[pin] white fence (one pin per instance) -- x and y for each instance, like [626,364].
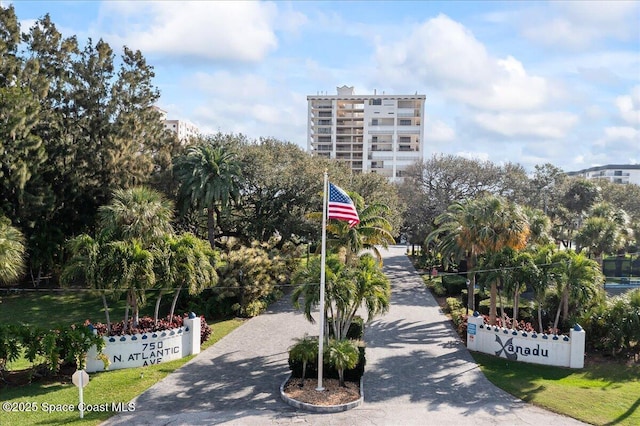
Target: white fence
[140,350]
[561,351]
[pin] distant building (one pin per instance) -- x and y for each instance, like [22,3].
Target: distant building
[616,173]
[184,129]
[381,134]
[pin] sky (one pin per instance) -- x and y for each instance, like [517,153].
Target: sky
[523,82]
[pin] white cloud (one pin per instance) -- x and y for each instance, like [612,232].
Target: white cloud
[439,50]
[617,135]
[212,30]
[554,125]
[444,54]
[251,105]
[629,106]
[579,24]
[438,131]
[479,156]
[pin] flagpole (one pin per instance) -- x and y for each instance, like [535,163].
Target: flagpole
[323,257]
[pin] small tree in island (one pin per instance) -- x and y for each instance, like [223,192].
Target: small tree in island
[352,280]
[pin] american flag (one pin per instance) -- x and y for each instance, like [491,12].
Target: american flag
[341,207]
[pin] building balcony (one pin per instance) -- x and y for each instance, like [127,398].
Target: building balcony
[378,131]
[409,130]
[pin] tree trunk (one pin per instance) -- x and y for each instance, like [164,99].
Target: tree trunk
[557,320]
[492,304]
[173,303]
[134,307]
[516,305]
[540,317]
[211,227]
[155,314]
[106,313]
[565,303]
[502,314]
[126,316]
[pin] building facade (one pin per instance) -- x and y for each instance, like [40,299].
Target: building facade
[616,173]
[184,129]
[381,134]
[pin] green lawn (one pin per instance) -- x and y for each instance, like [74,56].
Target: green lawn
[49,309]
[104,389]
[603,394]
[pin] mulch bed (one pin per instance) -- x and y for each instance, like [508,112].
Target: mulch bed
[334,394]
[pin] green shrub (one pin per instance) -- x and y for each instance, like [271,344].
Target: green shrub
[350,374]
[68,344]
[435,285]
[249,278]
[614,327]
[10,339]
[454,284]
[304,351]
[453,304]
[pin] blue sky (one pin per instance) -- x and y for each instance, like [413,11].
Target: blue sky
[525,82]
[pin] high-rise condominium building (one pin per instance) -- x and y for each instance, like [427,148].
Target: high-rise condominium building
[371,133]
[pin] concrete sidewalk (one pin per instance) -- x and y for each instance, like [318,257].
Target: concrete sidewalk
[418,373]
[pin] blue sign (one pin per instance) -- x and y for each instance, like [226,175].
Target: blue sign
[471,328]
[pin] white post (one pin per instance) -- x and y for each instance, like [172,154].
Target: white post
[193,322]
[80,387]
[473,328]
[322,278]
[578,338]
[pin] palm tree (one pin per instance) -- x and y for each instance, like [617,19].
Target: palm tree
[304,350]
[191,264]
[524,272]
[605,230]
[485,225]
[136,213]
[577,279]
[539,227]
[130,267]
[209,180]
[307,285]
[372,231]
[12,251]
[541,280]
[347,288]
[343,354]
[499,266]
[86,263]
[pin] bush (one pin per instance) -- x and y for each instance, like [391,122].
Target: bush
[453,304]
[352,375]
[435,285]
[148,325]
[454,284]
[249,280]
[54,347]
[615,326]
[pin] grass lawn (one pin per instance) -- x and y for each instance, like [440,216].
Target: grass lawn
[106,388]
[50,309]
[606,393]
